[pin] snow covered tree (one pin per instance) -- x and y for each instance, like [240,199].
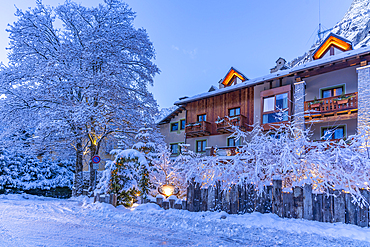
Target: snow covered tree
[123,176]
[80,84]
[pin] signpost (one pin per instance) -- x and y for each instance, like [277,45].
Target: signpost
[95,160]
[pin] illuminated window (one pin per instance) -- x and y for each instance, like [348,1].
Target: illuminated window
[202,117]
[234,112]
[174,126]
[201,146]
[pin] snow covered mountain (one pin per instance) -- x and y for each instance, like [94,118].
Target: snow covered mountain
[164,112]
[354,26]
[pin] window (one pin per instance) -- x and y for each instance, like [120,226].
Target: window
[275,108]
[329,133]
[174,148]
[331,92]
[232,142]
[201,146]
[202,117]
[174,126]
[234,112]
[182,124]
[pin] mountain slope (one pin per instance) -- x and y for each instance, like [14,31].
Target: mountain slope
[354,26]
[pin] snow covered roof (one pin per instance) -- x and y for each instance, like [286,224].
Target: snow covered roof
[279,74]
[174,113]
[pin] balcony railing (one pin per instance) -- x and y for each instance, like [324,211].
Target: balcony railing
[334,104]
[224,125]
[198,129]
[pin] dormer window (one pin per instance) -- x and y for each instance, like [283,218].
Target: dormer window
[332,45]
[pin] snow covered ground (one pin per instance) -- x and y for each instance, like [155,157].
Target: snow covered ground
[38,221]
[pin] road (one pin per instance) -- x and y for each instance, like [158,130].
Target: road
[39,221]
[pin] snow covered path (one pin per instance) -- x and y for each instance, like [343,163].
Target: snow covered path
[39,221]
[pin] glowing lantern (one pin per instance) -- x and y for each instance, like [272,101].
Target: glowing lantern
[168,190]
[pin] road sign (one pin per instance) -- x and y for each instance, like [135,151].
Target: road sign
[96,159]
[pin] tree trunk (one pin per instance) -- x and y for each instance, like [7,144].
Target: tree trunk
[78,180]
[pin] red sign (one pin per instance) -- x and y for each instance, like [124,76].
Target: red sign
[96,159]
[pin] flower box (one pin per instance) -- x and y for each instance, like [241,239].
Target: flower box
[315,105]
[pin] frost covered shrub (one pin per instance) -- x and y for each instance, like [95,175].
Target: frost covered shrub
[19,172]
[287,153]
[123,176]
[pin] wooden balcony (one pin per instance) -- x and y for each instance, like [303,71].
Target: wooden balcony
[332,106]
[224,125]
[198,129]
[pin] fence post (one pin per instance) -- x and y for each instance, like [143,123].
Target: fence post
[218,195]
[203,201]
[298,202]
[328,207]
[211,200]
[363,219]
[277,202]
[226,200]
[307,202]
[241,194]
[159,200]
[197,197]
[172,202]
[250,198]
[190,197]
[317,207]
[234,200]
[339,207]
[351,214]
[288,205]
[114,201]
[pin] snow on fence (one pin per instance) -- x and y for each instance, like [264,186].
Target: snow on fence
[301,203]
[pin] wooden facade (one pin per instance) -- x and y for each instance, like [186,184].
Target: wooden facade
[218,107]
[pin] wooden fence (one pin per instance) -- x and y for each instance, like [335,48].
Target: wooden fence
[301,203]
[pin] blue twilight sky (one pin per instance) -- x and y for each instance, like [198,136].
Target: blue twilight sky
[197,42]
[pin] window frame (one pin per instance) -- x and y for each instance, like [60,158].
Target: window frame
[237,143]
[204,115]
[180,126]
[235,115]
[173,123]
[343,86]
[272,93]
[196,145]
[178,148]
[322,129]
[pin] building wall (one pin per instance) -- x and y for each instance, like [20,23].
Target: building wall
[347,76]
[173,136]
[218,106]
[351,126]
[266,86]
[212,141]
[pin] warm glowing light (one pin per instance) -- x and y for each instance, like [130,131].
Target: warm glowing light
[329,42]
[230,76]
[168,190]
